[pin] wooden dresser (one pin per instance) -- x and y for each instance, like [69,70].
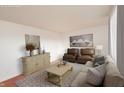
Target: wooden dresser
[34,63]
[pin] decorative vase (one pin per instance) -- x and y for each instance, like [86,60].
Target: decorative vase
[31,53]
[43,51]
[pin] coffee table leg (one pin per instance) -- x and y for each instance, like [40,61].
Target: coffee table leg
[60,78]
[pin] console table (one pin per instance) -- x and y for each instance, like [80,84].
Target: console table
[34,63]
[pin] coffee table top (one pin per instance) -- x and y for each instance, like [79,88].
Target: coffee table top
[59,71]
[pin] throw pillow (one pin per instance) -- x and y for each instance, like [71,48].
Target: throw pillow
[95,76]
[99,61]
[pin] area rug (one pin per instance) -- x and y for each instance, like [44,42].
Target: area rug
[38,79]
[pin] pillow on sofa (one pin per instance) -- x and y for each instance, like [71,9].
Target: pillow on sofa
[99,61]
[95,76]
[80,78]
[113,78]
[108,59]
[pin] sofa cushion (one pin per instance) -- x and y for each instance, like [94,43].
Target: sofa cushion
[72,51]
[80,80]
[69,56]
[83,59]
[86,57]
[113,78]
[87,51]
[95,76]
[89,64]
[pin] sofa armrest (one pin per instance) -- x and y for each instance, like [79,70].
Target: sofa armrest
[114,81]
[89,64]
[113,77]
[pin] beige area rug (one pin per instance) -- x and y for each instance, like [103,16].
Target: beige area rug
[38,79]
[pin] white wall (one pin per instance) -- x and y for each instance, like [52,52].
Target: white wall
[100,36]
[12,39]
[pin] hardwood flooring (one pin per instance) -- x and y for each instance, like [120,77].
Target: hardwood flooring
[11,82]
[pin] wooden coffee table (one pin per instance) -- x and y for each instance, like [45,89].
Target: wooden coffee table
[56,73]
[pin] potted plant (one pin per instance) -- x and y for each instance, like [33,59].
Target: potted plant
[30,47]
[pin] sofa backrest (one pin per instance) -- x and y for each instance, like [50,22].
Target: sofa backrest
[73,51]
[87,51]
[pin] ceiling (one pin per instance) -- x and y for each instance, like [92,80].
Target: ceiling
[57,18]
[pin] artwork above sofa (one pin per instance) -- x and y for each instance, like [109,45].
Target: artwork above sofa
[81,40]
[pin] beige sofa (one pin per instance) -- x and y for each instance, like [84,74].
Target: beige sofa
[112,76]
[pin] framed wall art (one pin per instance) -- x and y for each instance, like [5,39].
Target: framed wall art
[85,40]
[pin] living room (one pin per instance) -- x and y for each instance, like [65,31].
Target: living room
[55,30]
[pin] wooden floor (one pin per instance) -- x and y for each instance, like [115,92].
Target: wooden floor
[11,82]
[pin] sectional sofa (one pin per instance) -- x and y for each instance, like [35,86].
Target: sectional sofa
[106,75]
